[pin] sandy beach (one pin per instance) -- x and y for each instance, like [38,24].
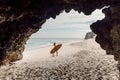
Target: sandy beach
[77,60]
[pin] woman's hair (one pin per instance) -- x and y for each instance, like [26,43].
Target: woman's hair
[54,43]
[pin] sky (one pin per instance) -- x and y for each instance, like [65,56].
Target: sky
[68,25]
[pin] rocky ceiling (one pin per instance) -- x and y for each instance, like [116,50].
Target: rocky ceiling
[19,19]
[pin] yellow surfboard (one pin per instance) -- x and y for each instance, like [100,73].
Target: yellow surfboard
[56,48]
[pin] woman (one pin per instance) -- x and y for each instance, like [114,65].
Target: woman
[56,51]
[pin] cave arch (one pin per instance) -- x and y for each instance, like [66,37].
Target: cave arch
[20,19]
[65,24]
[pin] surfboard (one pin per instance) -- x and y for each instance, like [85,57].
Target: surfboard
[56,48]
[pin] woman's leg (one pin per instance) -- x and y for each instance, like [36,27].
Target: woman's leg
[53,55]
[56,53]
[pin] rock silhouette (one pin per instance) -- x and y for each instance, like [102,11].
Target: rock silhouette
[89,35]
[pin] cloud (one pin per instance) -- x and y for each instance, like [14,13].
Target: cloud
[66,23]
[73,17]
[78,22]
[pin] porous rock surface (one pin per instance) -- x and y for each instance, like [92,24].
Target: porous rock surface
[19,19]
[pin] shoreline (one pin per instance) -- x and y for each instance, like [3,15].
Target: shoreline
[44,52]
[51,44]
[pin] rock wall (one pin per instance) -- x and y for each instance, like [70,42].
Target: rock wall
[108,30]
[21,18]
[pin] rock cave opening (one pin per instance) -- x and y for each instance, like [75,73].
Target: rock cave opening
[20,19]
[56,30]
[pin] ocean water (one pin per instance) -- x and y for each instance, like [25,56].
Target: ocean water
[43,42]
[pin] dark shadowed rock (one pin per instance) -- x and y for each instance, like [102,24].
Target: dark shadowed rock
[89,35]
